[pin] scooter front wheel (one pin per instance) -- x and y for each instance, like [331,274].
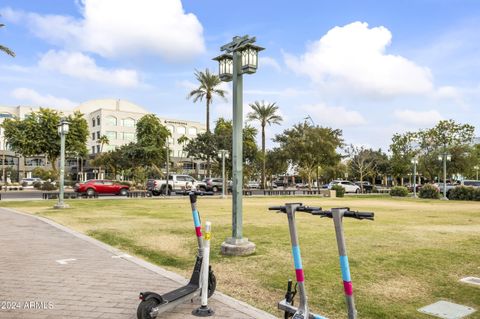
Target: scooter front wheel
[145,307]
[212,283]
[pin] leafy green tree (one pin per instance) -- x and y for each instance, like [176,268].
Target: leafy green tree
[276,163]
[37,135]
[4,48]
[265,114]
[103,140]
[206,145]
[149,150]
[311,146]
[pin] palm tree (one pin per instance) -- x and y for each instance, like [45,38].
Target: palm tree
[103,140]
[208,88]
[265,114]
[5,49]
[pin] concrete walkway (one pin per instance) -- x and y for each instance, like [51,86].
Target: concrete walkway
[50,271]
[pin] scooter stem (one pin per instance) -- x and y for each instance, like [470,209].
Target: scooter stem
[337,215]
[297,259]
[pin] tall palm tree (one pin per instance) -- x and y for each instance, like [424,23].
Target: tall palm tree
[5,49]
[103,140]
[265,114]
[208,88]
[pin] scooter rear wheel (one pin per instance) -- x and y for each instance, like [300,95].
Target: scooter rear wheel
[145,308]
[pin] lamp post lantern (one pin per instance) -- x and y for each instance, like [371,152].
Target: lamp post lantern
[240,57]
[476,168]
[223,154]
[414,161]
[62,131]
[444,157]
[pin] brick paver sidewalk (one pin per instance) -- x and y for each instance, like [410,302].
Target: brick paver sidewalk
[45,265]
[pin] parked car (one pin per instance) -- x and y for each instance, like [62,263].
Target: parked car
[213,184]
[101,186]
[175,183]
[349,186]
[367,186]
[252,184]
[469,182]
[30,181]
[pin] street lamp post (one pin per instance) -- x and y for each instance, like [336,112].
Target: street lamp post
[414,161]
[223,154]
[445,157]
[476,168]
[62,131]
[240,57]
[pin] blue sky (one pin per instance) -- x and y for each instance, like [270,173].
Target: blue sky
[371,68]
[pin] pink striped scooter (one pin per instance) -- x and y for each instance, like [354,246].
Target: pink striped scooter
[302,312]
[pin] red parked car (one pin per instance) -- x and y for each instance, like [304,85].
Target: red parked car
[99,186]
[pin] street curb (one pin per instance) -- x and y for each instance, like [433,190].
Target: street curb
[221,297]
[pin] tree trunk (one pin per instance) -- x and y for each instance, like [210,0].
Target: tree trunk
[208,130]
[264,159]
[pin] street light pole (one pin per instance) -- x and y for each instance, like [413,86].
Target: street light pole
[414,162]
[240,57]
[168,167]
[62,131]
[476,168]
[444,156]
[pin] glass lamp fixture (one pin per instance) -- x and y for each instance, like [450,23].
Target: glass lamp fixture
[225,67]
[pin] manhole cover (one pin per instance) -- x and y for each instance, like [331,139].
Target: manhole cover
[447,310]
[471,280]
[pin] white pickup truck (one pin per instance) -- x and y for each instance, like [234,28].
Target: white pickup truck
[176,183]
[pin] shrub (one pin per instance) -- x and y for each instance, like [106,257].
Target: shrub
[461,193]
[37,185]
[48,186]
[399,191]
[476,194]
[339,189]
[429,191]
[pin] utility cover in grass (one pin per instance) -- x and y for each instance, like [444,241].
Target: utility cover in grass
[471,280]
[447,310]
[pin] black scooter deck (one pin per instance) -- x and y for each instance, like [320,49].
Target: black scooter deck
[179,292]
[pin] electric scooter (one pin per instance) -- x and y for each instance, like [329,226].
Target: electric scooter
[153,304]
[286,305]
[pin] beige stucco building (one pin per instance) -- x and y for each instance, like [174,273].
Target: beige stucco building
[115,119]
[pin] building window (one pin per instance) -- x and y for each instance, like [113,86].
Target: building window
[128,122]
[93,149]
[111,120]
[128,136]
[98,148]
[93,122]
[98,120]
[188,165]
[98,135]
[93,136]
[181,130]
[192,131]
[111,135]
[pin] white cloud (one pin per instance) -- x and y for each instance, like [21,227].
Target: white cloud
[353,58]
[334,115]
[121,28]
[418,117]
[269,61]
[48,100]
[81,66]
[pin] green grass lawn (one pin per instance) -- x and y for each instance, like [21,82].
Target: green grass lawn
[412,255]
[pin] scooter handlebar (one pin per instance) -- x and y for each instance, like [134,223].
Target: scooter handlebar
[300,208]
[348,213]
